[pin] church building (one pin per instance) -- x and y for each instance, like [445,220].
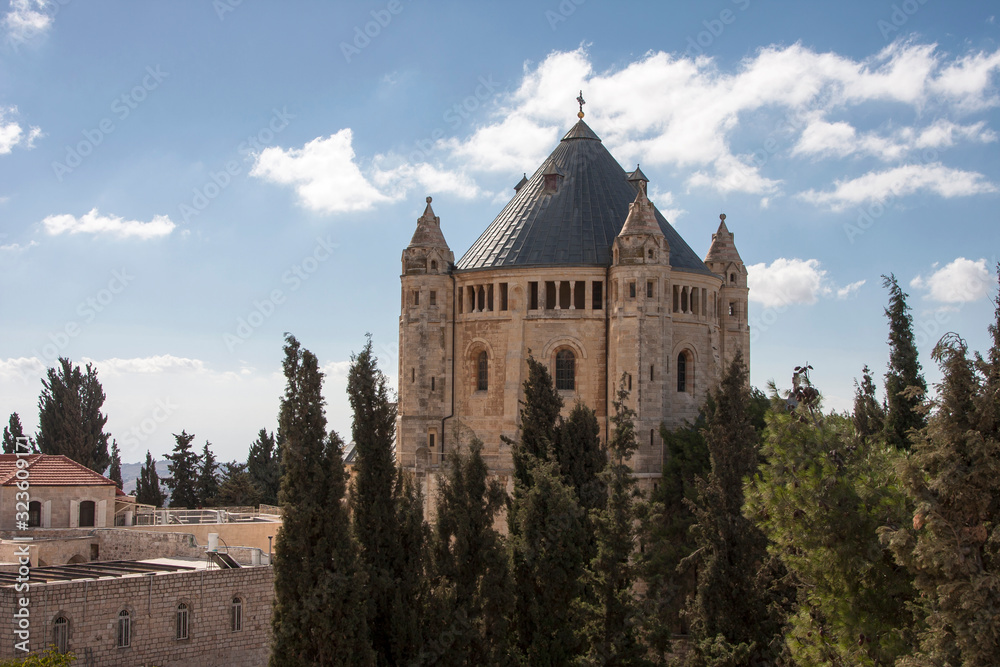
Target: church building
[581,271]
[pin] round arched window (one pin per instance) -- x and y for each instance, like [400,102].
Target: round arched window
[565,370]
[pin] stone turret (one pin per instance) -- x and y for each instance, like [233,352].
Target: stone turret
[725,261]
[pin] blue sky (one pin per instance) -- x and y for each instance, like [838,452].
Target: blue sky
[181,183]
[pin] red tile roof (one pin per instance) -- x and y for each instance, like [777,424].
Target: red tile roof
[50,470]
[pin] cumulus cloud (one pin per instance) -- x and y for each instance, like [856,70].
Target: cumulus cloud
[28,18]
[13,134]
[899,182]
[959,281]
[821,138]
[164,363]
[94,223]
[784,282]
[16,247]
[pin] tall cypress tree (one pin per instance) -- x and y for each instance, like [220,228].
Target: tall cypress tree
[70,421]
[904,381]
[471,574]
[953,549]
[147,487]
[613,622]
[208,477]
[868,415]
[581,457]
[183,468]
[539,415]
[733,616]
[115,470]
[11,433]
[318,614]
[387,518]
[264,466]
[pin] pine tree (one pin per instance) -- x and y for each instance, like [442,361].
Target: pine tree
[613,622]
[318,616]
[953,549]
[869,414]
[237,488]
[183,468]
[820,497]
[70,421]
[539,414]
[471,574]
[733,615]
[388,522]
[547,545]
[115,470]
[11,433]
[581,457]
[264,466]
[208,478]
[147,487]
[904,381]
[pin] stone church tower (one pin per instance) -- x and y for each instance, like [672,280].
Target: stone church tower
[581,271]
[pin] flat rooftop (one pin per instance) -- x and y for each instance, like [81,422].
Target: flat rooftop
[105,569]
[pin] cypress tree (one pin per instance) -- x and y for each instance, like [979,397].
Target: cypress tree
[869,415]
[613,622]
[539,414]
[820,497]
[581,457]
[318,614]
[904,381]
[237,487]
[11,433]
[183,468]
[147,487]
[953,548]
[264,466]
[115,470]
[472,578]
[388,520]
[208,477]
[733,616]
[70,421]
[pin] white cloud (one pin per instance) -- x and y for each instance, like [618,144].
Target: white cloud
[21,367]
[95,223]
[900,182]
[960,281]
[784,282]
[665,204]
[28,18]
[821,138]
[12,134]
[164,363]
[17,247]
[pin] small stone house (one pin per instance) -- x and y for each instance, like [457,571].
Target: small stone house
[60,493]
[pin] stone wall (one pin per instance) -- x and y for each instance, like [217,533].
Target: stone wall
[92,608]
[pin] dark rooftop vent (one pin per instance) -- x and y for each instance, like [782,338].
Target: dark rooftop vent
[521,183]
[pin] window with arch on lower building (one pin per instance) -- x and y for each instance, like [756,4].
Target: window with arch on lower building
[123,634]
[482,371]
[60,634]
[236,615]
[183,617]
[565,370]
[685,371]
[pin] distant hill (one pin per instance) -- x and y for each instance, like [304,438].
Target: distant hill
[130,474]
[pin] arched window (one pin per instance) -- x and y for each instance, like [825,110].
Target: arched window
[732,278]
[182,621]
[236,615]
[434,265]
[565,370]
[60,634]
[87,514]
[482,372]
[685,371]
[34,514]
[684,299]
[123,636]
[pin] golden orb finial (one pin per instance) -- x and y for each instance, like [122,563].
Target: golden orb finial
[581,102]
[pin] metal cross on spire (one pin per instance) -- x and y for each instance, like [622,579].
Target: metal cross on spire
[581,102]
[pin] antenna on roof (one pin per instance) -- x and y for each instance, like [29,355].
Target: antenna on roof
[581,102]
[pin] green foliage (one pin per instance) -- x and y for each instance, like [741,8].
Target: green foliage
[613,617]
[547,552]
[70,421]
[953,547]
[539,413]
[904,381]
[869,415]
[388,519]
[470,575]
[50,657]
[264,466]
[237,487]
[208,477]
[11,432]
[183,468]
[737,608]
[581,457]
[820,497]
[319,614]
[147,487]
[115,469]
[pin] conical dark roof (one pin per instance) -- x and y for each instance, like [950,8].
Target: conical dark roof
[576,225]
